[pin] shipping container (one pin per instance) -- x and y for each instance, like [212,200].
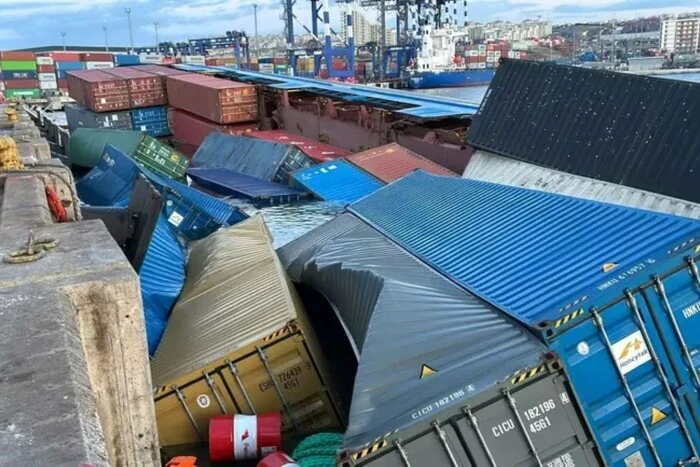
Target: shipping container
[48,85]
[98,90]
[86,145]
[229,183]
[23,93]
[260,159]
[18,56]
[44,61]
[62,56]
[264,355]
[80,117]
[392,161]
[46,69]
[17,65]
[319,152]
[193,59]
[161,159]
[69,66]
[337,181]
[617,299]
[456,380]
[47,77]
[193,130]
[187,149]
[152,120]
[219,100]
[162,71]
[96,57]
[21,84]
[125,60]
[152,59]
[98,65]
[145,89]
[20,75]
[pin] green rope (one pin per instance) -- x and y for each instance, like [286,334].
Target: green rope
[318,450]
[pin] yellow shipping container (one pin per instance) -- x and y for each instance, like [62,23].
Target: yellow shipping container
[239,341]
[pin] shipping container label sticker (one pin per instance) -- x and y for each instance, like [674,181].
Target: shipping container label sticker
[631,352]
[562,461]
[582,348]
[656,416]
[175,219]
[203,401]
[635,460]
[625,444]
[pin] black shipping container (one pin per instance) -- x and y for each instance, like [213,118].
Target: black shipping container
[80,117]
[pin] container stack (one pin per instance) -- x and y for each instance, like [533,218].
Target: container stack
[46,72]
[99,91]
[265,65]
[78,116]
[203,104]
[125,60]
[483,55]
[19,75]
[521,55]
[97,61]
[63,63]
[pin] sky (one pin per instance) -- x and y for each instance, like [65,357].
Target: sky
[31,23]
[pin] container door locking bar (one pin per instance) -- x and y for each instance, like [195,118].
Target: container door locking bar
[626,386]
[181,398]
[445,444]
[638,318]
[237,377]
[283,399]
[514,408]
[402,453]
[475,424]
[212,387]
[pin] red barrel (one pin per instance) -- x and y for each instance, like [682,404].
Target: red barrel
[244,437]
[278,459]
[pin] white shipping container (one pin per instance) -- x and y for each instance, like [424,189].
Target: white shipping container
[44,61]
[482,47]
[98,65]
[2,85]
[482,53]
[473,53]
[194,59]
[47,85]
[267,68]
[47,77]
[148,58]
[482,65]
[497,54]
[473,66]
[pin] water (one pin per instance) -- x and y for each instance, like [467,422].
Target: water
[471,94]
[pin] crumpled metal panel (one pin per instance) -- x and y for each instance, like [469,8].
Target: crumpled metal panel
[403,315]
[530,253]
[498,169]
[639,131]
[236,293]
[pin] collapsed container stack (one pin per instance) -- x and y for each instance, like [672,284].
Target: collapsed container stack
[201,104]
[19,75]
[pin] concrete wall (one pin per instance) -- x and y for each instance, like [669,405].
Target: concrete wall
[74,369]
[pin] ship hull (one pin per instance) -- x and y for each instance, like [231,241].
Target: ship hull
[451,79]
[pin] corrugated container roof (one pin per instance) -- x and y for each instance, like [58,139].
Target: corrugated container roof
[337,181]
[530,253]
[228,182]
[498,169]
[93,76]
[320,152]
[403,315]
[126,72]
[159,70]
[392,161]
[236,293]
[256,158]
[209,81]
[638,131]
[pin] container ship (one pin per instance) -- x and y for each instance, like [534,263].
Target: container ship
[234,349]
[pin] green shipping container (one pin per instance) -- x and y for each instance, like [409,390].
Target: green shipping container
[161,159]
[17,65]
[24,93]
[86,145]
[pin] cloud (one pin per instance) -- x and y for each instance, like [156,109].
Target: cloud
[7,34]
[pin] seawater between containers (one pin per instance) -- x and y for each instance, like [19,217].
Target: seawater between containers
[621,311]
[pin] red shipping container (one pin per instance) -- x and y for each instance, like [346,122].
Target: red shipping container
[62,56]
[145,89]
[63,84]
[46,69]
[219,100]
[96,57]
[392,161]
[187,149]
[19,56]
[98,91]
[215,62]
[193,130]
[21,84]
[319,152]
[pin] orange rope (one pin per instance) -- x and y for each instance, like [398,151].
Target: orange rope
[55,205]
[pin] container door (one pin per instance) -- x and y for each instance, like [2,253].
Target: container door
[622,374]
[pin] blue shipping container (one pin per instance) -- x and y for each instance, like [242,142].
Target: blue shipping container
[9,75]
[162,273]
[614,291]
[152,120]
[230,183]
[337,180]
[274,162]
[126,60]
[70,66]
